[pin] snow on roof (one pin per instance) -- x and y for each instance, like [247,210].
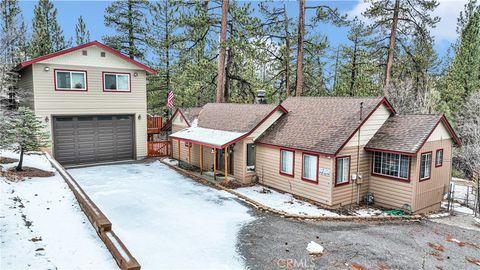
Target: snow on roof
[212,137]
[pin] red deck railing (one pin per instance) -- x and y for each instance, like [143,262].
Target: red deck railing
[154,124]
[159,148]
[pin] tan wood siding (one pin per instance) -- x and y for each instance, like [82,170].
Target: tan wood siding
[347,194]
[267,170]
[391,193]
[49,102]
[429,193]
[371,126]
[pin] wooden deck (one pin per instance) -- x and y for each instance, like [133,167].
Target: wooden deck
[159,148]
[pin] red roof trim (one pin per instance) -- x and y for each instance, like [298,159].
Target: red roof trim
[383,101]
[389,151]
[103,46]
[444,120]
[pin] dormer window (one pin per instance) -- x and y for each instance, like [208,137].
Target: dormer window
[116,82]
[70,80]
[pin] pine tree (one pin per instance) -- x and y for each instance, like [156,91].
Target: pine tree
[27,132]
[127,18]
[82,35]
[395,21]
[47,35]
[462,77]
[221,54]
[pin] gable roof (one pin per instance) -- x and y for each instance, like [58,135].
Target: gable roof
[234,117]
[407,133]
[223,124]
[190,114]
[92,43]
[320,124]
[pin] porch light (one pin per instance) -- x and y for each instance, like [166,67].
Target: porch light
[139,117]
[46,69]
[135,74]
[46,119]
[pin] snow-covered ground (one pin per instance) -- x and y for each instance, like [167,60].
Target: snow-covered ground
[42,226]
[287,203]
[165,219]
[465,194]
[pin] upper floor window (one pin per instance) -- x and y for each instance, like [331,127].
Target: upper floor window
[425,166]
[439,158]
[70,80]
[391,165]
[286,162]
[116,82]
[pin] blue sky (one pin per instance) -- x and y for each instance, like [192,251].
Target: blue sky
[93,11]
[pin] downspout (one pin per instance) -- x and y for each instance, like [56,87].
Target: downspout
[358,156]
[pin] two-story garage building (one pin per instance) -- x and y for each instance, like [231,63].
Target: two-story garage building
[93,100]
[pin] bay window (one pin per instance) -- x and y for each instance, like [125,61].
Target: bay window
[391,165]
[342,171]
[286,162]
[310,167]
[70,80]
[425,166]
[116,82]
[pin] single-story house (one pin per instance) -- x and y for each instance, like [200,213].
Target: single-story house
[93,100]
[331,150]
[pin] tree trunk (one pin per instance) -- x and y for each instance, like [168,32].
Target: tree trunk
[391,48]
[131,43]
[221,55]
[228,68]
[287,52]
[301,24]
[20,162]
[353,75]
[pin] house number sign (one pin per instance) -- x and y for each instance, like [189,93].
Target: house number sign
[324,171]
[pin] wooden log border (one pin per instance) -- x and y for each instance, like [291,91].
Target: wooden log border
[99,221]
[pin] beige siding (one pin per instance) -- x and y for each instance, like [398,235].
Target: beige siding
[267,169]
[429,193]
[49,102]
[266,124]
[347,194]
[440,133]
[371,126]
[25,84]
[92,59]
[391,193]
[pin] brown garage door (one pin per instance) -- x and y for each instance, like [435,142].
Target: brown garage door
[93,139]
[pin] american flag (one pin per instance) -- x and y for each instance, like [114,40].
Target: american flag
[170,99]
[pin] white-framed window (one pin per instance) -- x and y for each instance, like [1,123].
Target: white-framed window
[116,82]
[425,165]
[286,162]
[70,80]
[391,165]
[343,170]
[250,157]
[310,167]
[439,158]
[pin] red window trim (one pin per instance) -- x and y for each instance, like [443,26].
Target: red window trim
[316,175]
[436,153]
[420,166]
[404,180]
[293,163]
[69,90]
[116,91]
[349,168]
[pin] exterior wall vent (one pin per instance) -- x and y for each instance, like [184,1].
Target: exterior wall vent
[84,53]
[102,54]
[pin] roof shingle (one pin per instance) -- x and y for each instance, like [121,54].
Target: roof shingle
[233,117]
[404,133]
[319,124]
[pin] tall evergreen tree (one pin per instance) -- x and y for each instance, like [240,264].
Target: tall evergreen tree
[462,77]
[47,35]
[395,20]
[82,35]
[127,18]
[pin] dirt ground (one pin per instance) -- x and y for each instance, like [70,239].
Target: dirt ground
[272,242]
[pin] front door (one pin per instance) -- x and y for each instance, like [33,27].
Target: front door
[221,162]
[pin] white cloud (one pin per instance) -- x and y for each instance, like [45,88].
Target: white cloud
[447,10]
